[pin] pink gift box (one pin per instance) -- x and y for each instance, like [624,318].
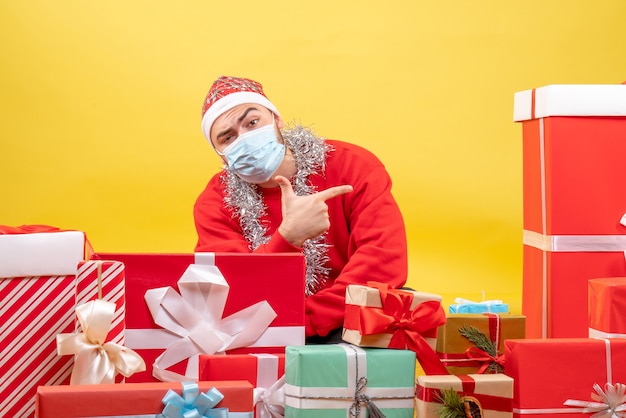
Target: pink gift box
[276,278]
[34,308]
[573,183]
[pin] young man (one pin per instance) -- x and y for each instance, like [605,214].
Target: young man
[287,190]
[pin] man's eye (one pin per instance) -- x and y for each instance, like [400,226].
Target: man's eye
[253,122]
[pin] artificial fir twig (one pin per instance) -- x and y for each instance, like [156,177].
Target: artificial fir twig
[481,341]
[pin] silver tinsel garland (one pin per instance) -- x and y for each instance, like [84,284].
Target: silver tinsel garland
[243,199]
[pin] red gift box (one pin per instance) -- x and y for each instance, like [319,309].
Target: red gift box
[549,371]
[607,307]
[261,370]
[573,200]
[34,308]
[276,278]
[131,399]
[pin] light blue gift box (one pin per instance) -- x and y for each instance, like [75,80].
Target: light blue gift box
[464,306]
[340,380]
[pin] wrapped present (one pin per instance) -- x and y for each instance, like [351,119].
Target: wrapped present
[474,343]
[242,281]
[377,316]
[104,280]
[487,396]
[573,183]
[263,371]
[232,399]
[607,307]
[97,361]
[345,380]
[37,302]
[466,306]
[548,372]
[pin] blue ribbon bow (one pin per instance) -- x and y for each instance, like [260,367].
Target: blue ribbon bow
[193,403]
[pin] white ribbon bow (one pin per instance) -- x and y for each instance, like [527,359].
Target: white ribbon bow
[195,315]
[97,361]
[270,402]
[610,402]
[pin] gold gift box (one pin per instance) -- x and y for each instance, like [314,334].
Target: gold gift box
[452,346]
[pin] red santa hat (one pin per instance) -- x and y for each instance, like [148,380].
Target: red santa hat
[228,92]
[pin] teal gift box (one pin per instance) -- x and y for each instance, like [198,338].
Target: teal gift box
[343,380]
[464,306]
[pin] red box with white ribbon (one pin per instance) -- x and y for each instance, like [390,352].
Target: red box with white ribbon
[263,371]
[37,302]
[574,177]
[550,371]
[221,300]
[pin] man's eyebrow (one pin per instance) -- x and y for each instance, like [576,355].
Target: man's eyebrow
[248,110]
[239,119]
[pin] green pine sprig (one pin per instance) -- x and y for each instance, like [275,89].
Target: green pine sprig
[480,340]
[452,404]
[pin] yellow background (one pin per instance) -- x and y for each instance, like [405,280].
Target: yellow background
[100,111]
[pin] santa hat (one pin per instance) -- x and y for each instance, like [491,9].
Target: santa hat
[228,92]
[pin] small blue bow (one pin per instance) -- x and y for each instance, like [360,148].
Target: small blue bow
[193,403]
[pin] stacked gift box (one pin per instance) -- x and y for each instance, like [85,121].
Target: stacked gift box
[116,334]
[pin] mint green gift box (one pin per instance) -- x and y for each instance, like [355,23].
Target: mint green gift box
[341,380]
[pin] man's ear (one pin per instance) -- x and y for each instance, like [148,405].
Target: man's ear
[279,121]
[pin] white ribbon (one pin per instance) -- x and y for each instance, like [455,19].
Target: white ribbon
[269,394]
[609,403]
[270,402]
[195,317]
[97,361]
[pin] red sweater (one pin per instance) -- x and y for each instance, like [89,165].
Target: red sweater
[367,237]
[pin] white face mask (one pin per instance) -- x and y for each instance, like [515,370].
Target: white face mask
[254,156]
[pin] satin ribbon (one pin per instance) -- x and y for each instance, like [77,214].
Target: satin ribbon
[193,403]
[405,324]
[269,393]
[609,403]
[270,402]
[97,361]
[195,317]
[483,357]
[468,387]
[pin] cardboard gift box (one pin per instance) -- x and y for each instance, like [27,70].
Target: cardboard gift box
[573,200]
[491,394]
[607,307]
[549,372]
[37,301]
[134,399]
[461,356]
[263,371]
[273,279]
[340,379]
[377,316]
